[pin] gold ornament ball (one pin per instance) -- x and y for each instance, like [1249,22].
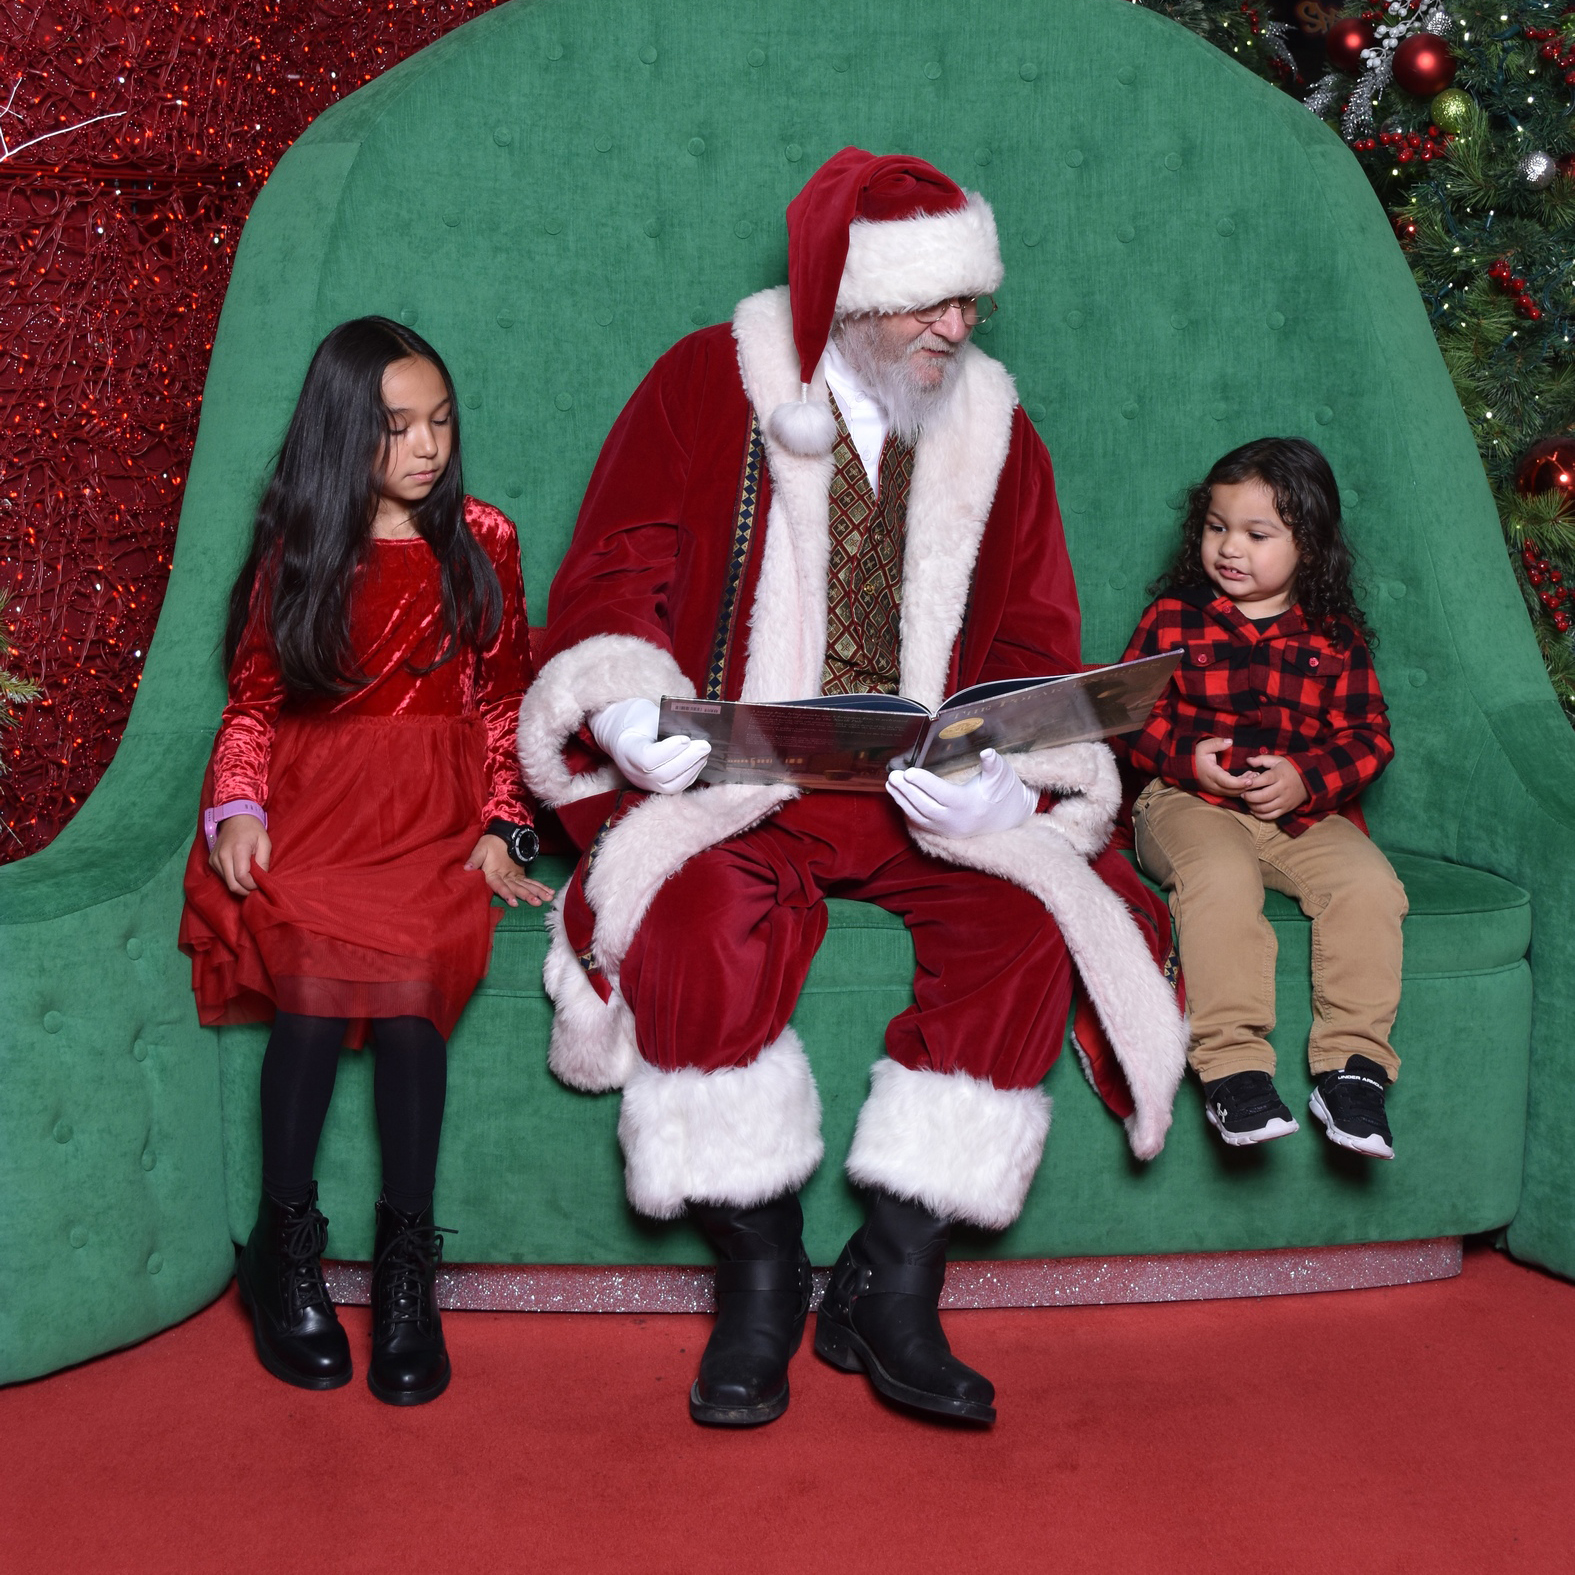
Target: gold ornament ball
[1451,111]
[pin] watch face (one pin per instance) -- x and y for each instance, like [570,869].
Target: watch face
[523,844]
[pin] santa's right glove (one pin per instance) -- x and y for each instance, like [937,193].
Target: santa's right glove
[627,731]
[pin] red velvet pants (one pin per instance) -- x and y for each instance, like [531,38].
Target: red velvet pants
[715,970]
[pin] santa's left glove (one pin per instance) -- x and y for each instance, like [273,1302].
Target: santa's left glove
[627,731]
[995,800]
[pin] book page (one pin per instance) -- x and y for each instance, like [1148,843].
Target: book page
[1022,714]
[814,744]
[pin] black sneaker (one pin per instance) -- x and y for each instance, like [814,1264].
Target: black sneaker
[1350,1103]
[1246,1108]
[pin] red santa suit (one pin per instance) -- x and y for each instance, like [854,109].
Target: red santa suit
[699,567]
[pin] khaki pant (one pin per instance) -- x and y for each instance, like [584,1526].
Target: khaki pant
[1215,863]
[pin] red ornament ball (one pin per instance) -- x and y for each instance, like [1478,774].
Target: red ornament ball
[1344,42]
[1423,65]
[1548,466]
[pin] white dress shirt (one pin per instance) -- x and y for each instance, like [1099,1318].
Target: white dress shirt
[865,415]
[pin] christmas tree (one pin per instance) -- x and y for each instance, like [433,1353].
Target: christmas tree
[1461,117]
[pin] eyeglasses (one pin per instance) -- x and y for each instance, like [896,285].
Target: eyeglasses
[975,309]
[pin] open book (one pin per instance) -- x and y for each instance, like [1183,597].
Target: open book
[850,742]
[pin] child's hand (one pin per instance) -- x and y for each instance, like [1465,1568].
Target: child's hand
[1277,787]
[242,842]
[1212,777]
[503,875]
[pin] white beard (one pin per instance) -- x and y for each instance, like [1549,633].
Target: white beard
[886,371]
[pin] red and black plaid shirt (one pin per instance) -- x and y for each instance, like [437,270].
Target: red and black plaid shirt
[1282,689]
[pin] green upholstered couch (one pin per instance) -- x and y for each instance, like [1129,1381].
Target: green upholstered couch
[553,194]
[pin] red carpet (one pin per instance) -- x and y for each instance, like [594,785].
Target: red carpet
[1424,1429]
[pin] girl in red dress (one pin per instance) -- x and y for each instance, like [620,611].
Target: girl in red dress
[362,806]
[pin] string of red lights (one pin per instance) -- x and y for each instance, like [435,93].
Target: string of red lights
[140,136]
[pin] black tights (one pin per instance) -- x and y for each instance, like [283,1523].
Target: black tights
[409,1081]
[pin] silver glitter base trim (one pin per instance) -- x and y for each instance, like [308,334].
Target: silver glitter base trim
[1023,1282]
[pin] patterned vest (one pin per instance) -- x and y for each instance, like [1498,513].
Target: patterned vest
[864,574]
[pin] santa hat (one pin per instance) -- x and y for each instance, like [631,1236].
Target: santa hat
[874,234]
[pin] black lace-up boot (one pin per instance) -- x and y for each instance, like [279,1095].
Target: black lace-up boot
[762,1300]
[280,1276]
[881,1314]
[409,1359]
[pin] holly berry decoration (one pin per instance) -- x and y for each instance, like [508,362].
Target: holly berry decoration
[1344,42]
[1548,582]
[1408,147]
[1548,466]
[1423,65]
[1556,50]
[1451,110]
[1508,282]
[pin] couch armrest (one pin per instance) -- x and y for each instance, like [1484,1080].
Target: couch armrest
[1520,823]
[111,1159]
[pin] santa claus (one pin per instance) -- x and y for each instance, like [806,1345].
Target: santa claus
[838,492]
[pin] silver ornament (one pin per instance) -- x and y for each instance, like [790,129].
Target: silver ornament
[1537,170]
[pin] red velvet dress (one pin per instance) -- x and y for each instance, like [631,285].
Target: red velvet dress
[375,800]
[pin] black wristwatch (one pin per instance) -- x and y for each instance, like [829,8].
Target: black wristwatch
[521,841]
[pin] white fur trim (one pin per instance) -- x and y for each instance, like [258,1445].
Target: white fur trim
[741,1136]
[805,427]
[1086,776]
[577,682]
[1147,1031]
[592,1046]
[897,265]
[787,626]
[956,468]
[960,1146]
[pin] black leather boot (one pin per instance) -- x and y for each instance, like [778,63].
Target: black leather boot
[881,1314]
[409,1360]
[280,1277]
[762,1300]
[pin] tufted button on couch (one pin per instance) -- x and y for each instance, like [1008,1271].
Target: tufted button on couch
[553,194]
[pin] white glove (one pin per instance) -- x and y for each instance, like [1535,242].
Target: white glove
[995,800]
[627,731]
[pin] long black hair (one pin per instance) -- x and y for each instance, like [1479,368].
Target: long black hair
[314,522]
[1307,498]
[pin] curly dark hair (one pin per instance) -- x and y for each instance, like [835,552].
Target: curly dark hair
[1308,500]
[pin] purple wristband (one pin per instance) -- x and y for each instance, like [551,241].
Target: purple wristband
[236,806]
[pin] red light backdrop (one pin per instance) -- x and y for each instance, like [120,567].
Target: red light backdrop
[135,138]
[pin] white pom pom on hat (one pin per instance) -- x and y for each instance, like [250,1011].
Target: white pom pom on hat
[804,426]
[870,233]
